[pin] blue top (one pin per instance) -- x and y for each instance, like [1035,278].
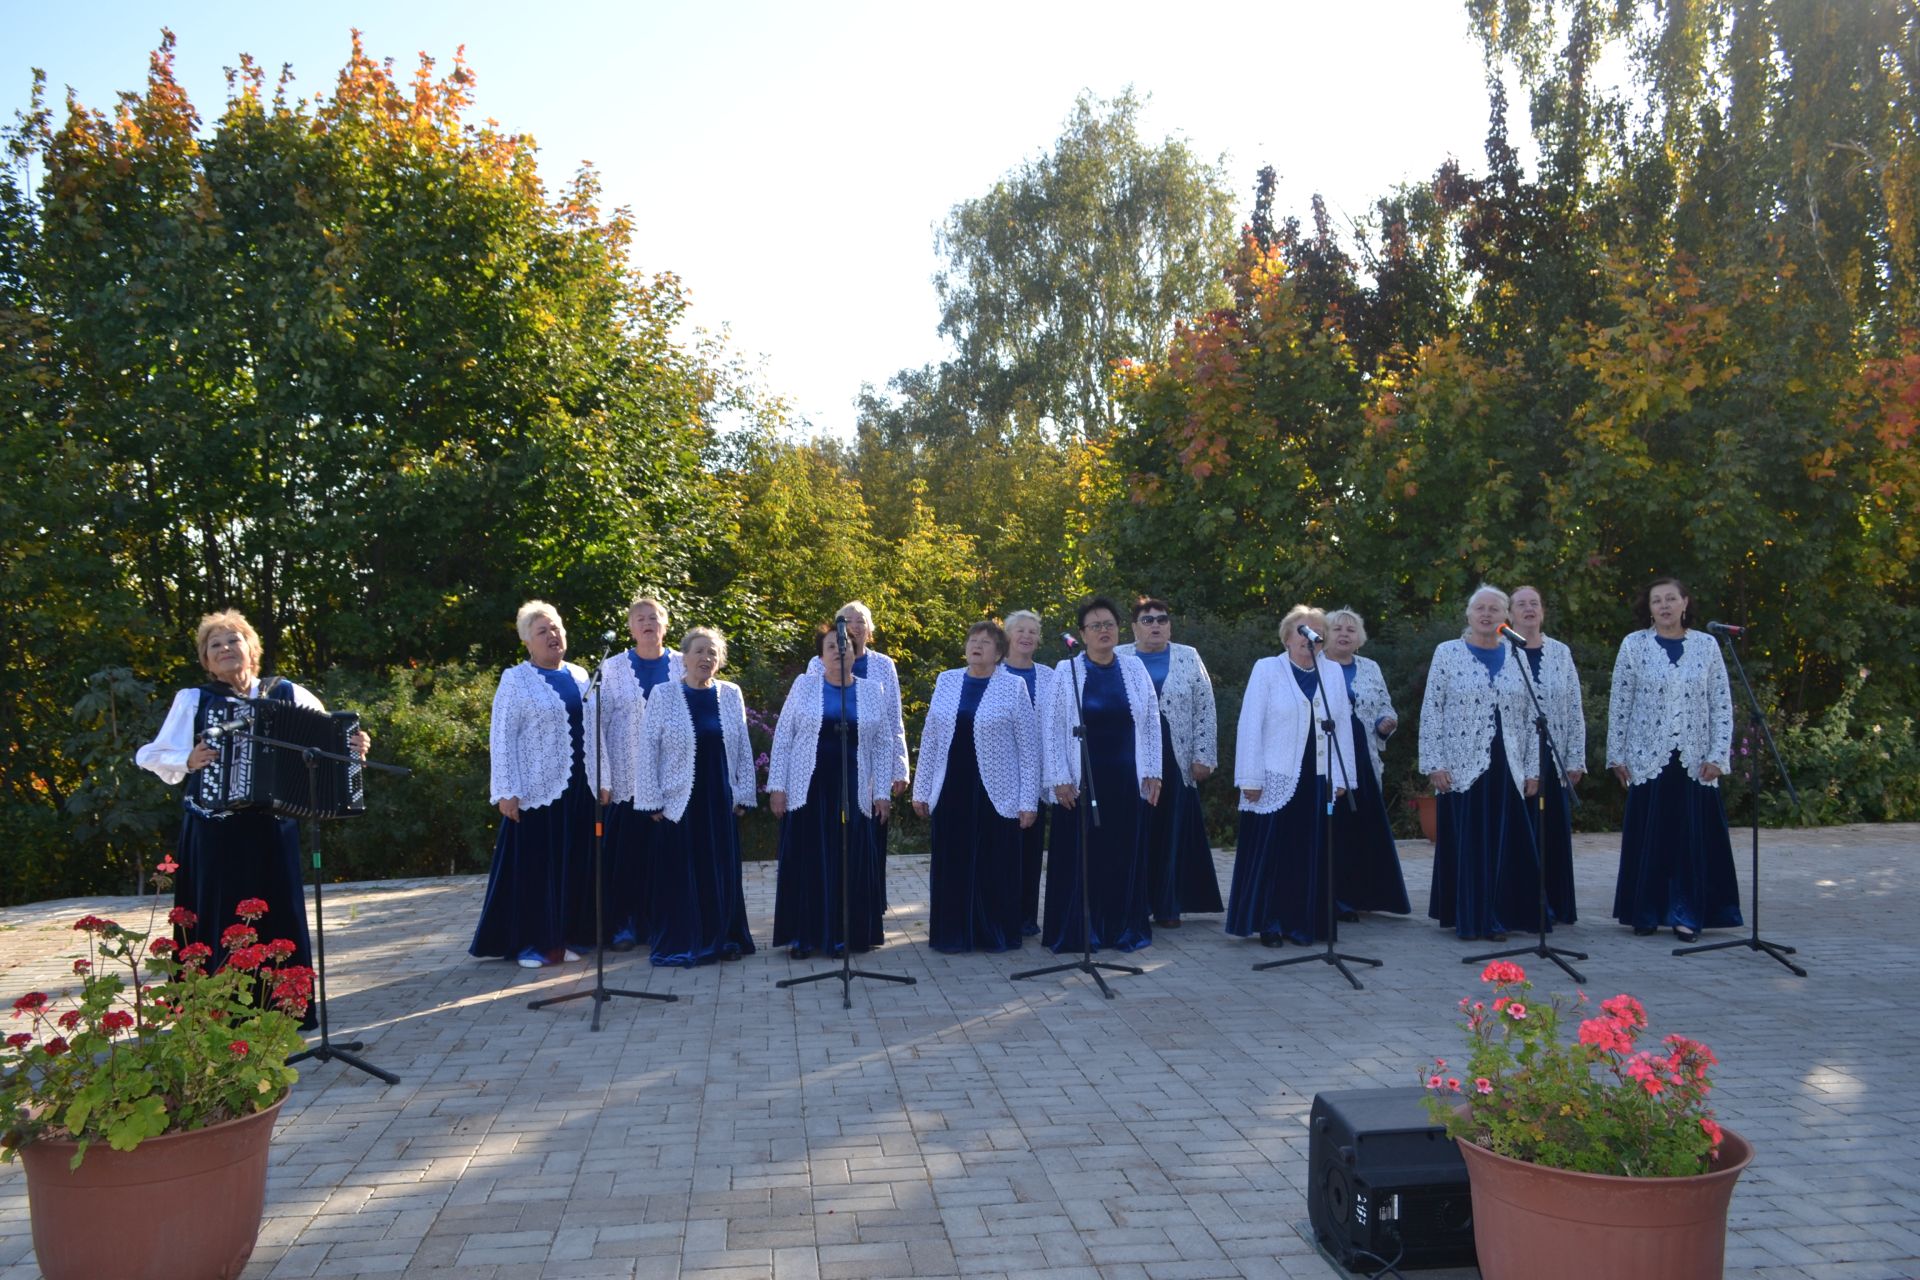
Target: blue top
[704,704]
[860,667]
[839,702]
[1309,681]
[971,689]
[1031,674]
[1674,648]
[1156,664]
[1107,714]
[1347,670]
[649,671]
[1533,660]
[561,681]
[1492,659]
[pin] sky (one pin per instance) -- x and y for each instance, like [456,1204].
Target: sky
[791,160]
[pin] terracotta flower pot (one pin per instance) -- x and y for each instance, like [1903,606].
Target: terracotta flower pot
[1531,1221]
[197,1197]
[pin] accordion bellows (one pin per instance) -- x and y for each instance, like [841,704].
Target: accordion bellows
[263,744]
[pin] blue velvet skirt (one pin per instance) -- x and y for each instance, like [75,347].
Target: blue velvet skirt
[1279,870]
[1676,859]
[1559,860]
[1485,879]
[1033,857]
[1366,872]
[540,891]
[806,910]
[1179,859]
[1116,863]
[975,878]
[698,910]
[249,854]
[628,872]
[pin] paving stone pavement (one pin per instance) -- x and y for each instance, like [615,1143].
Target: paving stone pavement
[973,1126]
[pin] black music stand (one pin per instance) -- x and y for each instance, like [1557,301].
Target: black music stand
[1089,813]
[1330,954]
[846,973]
[325,1050]
[1549,754]
[600,993]
[1757,725]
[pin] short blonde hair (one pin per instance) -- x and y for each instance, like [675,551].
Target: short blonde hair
[227,620]
[711,633]
[1344,614]
[1023,615]
[1488,589]
[1302,613]
[855,606]
[523,620]
[658,608]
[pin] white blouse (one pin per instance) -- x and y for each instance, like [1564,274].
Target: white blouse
[623,708]
[1006,742]
[1276,720]
[1658,707]
[532,739]
[1186,700]
[1061,758]
[664,749]
[796,742]
[166,756]
[1458,715]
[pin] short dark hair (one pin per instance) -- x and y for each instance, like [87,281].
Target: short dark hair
[1146,603]
[992,629]
[1643,607]
[821,635]
[1091,603]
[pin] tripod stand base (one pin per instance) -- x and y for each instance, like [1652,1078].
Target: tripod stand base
[1777,950]
[845,978]
[1091,968]
[326,1051]
[600,996]
[1540,949]
[1337,959]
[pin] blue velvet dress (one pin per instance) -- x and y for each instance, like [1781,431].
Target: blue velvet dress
[1033,841]
[976,852]
[1559,826]
[699,908]
[540,892]
[1117,851]
[1366,871]
[1279,868]
[249,853]
[629,840]
[1180,874]
[1676,858]
[806,908]
[1485,878]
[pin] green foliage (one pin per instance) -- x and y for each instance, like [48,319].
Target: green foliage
[1850,763]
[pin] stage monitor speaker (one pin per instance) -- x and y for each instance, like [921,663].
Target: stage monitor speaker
[1386,1183]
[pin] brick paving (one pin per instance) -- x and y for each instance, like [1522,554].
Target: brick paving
[972,1126]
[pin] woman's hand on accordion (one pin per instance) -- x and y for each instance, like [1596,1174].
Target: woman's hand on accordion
[202,755]
[510,808]
[360,743]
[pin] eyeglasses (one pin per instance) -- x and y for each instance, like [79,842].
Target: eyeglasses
[1153,619]
[1108,625]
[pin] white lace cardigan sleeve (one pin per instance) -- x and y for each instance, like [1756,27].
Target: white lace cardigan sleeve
[1006,742]
[795,738]
[1276,720]
[1373,704]
[1186,700]
[883,676]
[1062,752]
[166,756]
[1658,706]
[666,750]
[623,708]
[1458,715]
[531,742]
[1566,714]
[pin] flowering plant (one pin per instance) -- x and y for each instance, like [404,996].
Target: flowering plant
[1598,1105]
[154,1041]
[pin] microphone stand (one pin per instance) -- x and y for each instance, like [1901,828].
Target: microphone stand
[1548,754]
[1089,813]
[1757,723]
[600,993]
[1330,955]
[325,1050]
[847,780]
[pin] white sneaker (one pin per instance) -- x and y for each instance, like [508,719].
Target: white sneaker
[531,962]
[570,956]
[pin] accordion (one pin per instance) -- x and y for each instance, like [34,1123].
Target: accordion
[253,774]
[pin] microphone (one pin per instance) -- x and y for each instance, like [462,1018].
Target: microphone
[609,637]
[1313,637]
[1067,638]
[220,729]
[1726,629]
[1513,635]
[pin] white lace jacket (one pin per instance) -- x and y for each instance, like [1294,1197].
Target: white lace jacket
[884,676]
[796,739]
[1560,694]
[1658,707]
[532,743]
[1061,756]
[1043,678]
[166,756]
[1457,717]
[663,750]
[1006,742]
[1186,700]
[623,710]
[1372,703]
[1276,719]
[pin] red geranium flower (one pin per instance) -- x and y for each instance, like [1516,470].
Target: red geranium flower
[195,953]
[248,958]
[19,1040]
[83,967]
[163,946]
[57,1046]
[69,1020]
[280,949]
[167,865]
[237,935]
[94,924]
[182,918]
[29,1003]
[251,908]
[238,1048]
[116,1020]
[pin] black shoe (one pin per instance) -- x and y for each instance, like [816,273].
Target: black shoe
[1644,932]
[1030,929]
[1685,934]
[1171,922]
[799,953]
[731,956]
[621,946]
[1348,917]
[1496,937]
[1271,939]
